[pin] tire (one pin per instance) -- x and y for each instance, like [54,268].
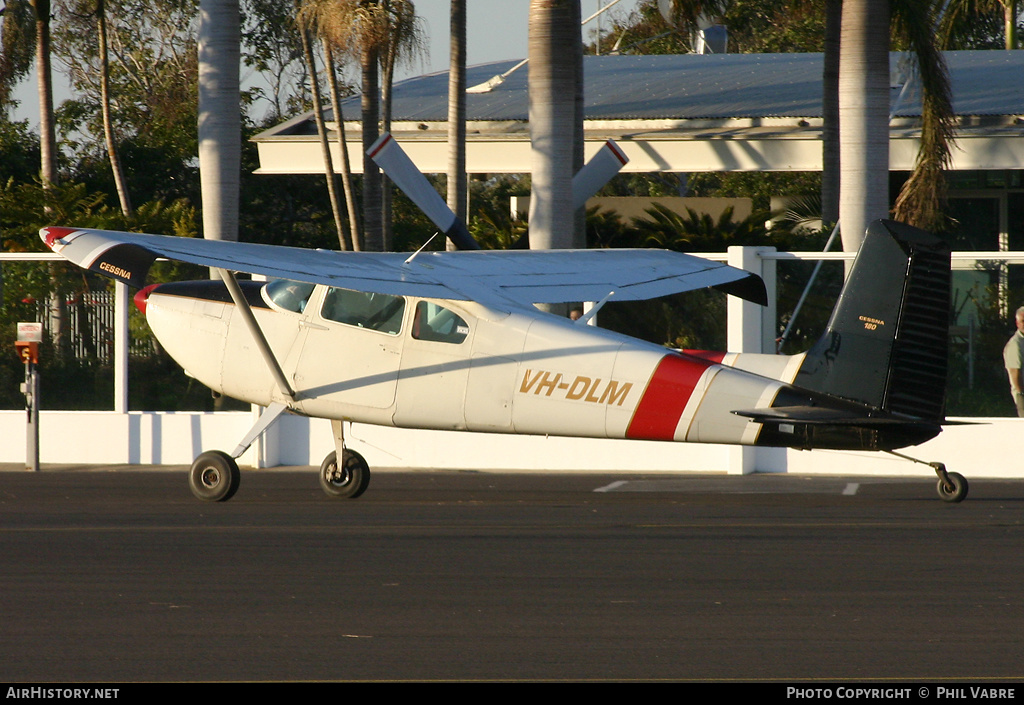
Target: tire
[352,479]
[214,477]
[957,489]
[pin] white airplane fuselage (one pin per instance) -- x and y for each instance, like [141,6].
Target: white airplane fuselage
[519,372]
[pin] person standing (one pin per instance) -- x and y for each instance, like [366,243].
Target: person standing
[1013,360]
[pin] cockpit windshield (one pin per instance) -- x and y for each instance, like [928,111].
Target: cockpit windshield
[288,294]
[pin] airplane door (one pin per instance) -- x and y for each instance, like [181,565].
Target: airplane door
[350,354]
[435,368]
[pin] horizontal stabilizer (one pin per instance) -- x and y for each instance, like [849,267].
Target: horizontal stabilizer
[824,416]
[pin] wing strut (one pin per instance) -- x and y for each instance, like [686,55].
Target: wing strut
[257,333]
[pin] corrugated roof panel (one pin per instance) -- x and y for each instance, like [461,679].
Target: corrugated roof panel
[693,86]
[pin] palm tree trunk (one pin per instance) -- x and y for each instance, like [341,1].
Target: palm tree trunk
[219,124]
[108,127]
[555,52]
[48,164]
[47,129]
[346,166]
[1010,9]
[373,236]
[830,115]
[386,192]
[321,131]
[864,116]
[456,182]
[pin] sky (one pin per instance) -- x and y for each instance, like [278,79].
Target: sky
[496,30]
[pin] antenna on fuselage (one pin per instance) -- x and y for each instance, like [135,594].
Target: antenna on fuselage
[423,247]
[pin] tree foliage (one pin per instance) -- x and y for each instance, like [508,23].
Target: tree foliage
[17,47]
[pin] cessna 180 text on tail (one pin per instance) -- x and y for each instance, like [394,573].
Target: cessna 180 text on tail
[453,340]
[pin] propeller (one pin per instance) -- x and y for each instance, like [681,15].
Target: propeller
[394,162]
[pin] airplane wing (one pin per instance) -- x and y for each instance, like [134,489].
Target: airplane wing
[493,278]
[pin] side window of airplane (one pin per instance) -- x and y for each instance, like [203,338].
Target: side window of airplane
[435,322]
[381,312]
[289,295]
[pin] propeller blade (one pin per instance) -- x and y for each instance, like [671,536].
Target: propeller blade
[608,161]
[394,162]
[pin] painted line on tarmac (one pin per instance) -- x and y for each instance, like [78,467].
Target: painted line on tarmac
[612,487]
[730,486]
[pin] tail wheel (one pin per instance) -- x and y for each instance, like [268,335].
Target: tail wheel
[953,491]
[214,476]
[349,480]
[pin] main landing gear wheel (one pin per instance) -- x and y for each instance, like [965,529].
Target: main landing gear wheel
[214,476]
[347,481]
[953,491]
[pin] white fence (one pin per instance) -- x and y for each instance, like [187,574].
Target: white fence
[986,448]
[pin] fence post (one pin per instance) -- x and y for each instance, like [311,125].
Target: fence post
[121,348]
[751,329]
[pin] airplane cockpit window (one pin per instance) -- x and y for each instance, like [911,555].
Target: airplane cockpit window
[381,312]
[435,322]
[289,295]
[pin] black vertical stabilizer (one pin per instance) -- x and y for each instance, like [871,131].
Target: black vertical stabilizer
[886,343]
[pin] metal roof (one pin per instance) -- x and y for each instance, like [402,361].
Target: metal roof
[695,86]
[691,112]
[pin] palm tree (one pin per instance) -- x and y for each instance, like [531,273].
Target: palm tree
[321,130]
[48,158]
[369,31]
[219,123]
[346,167]
[309,17]
[830,114]
[457,112]
[922,199]
[47,129]
[864,115]
[403,41]
[556,107]
[961,15]
[108,127]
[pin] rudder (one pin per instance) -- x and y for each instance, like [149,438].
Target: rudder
[886,344]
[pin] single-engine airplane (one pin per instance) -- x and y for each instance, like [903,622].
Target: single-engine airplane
[453,340]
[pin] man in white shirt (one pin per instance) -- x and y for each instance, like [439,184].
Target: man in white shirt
[1013,360]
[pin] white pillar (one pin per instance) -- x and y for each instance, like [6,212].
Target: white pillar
[751,329]
[121,348]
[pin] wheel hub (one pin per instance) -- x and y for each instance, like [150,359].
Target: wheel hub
[338,476]
[210,477]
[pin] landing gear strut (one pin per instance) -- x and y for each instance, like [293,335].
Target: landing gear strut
[952,486]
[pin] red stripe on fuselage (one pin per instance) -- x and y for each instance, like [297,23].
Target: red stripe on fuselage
[665,397]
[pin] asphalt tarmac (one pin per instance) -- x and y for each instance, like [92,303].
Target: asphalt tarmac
[121,576]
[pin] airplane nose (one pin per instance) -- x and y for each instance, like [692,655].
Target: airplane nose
[142,297]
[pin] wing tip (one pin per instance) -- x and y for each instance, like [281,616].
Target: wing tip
[51,235]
